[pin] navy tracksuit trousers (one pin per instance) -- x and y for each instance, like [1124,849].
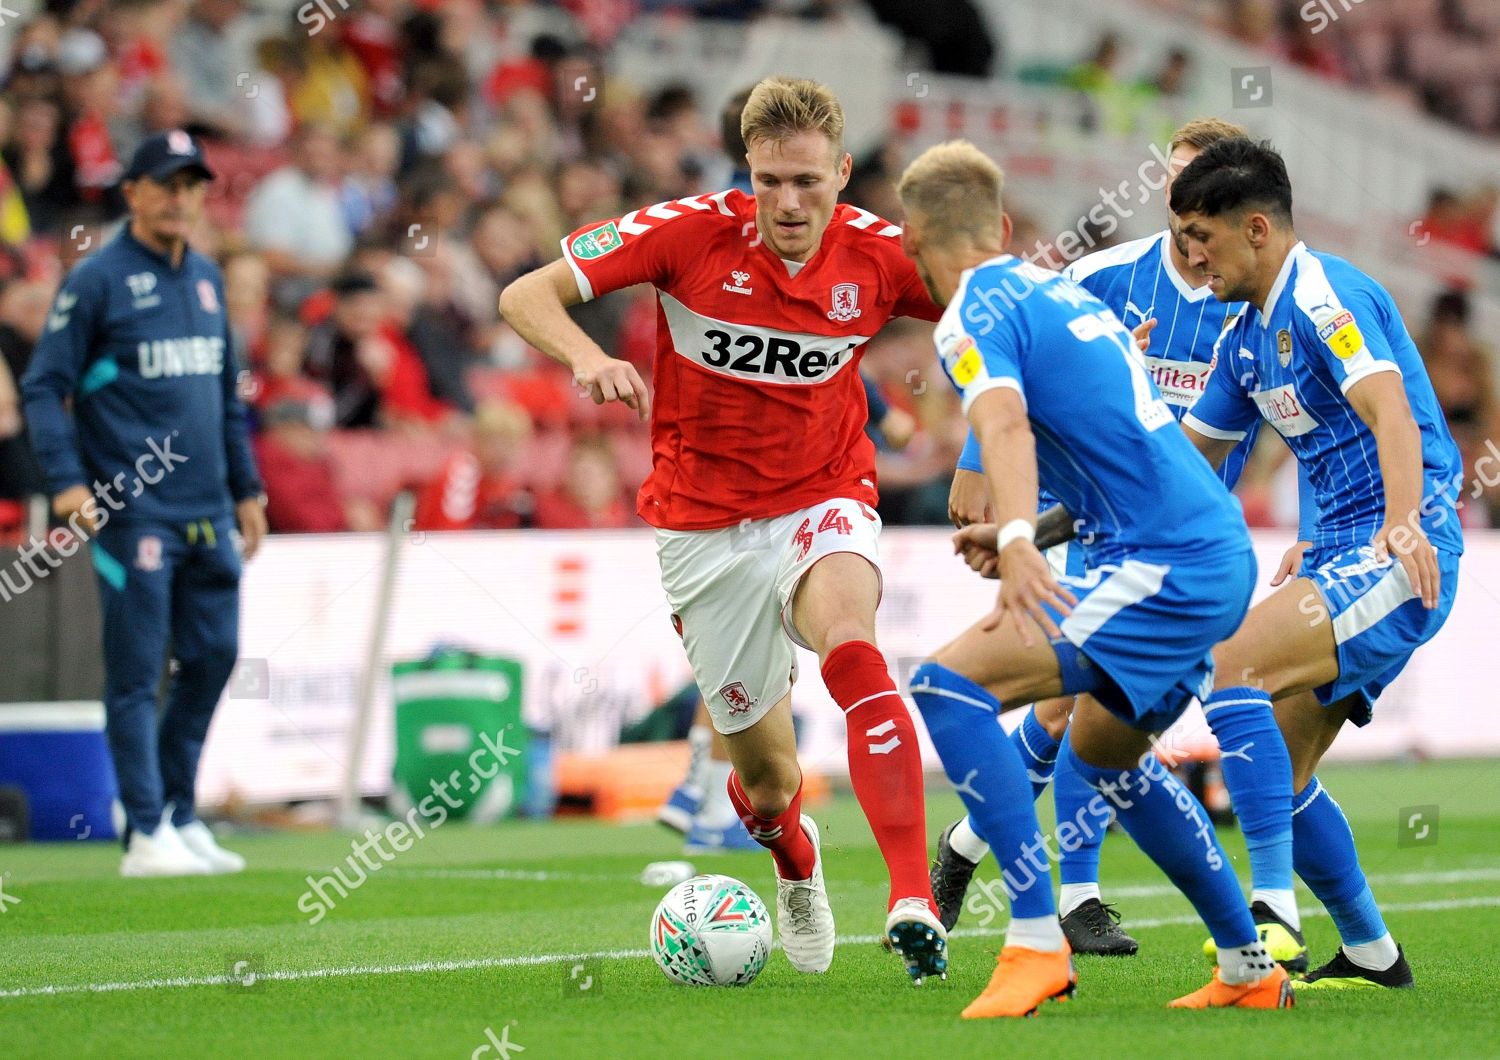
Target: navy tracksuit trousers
[165,585]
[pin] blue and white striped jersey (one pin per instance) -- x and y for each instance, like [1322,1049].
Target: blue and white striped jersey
[1326,326]
[1108,448]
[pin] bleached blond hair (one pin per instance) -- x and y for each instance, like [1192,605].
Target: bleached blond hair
[781,107]
[957,190]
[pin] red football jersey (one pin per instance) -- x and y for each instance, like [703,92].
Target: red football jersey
[758,408]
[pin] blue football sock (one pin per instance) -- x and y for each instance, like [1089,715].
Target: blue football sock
[983,765]
[1083,815]
[1258,773]
[1326,860]
[1170,826]
[1038,752]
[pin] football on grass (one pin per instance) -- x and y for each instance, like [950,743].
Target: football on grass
[711,931]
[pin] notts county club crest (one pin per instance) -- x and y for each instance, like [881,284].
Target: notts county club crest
[1284,346]
[845,302]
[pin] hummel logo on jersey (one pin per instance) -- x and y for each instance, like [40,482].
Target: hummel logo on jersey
[845,302]
[61,310]
[880,730]
[739,283]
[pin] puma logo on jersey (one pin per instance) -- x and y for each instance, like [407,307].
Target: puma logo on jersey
[1143,314]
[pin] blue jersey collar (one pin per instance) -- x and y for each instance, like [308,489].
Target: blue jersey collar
[141,248]
[1281,281]
[1168,266]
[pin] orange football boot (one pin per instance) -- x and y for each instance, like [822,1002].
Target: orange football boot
[1023,979]
[1274,991]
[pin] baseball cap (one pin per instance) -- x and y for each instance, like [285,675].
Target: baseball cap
[166,153]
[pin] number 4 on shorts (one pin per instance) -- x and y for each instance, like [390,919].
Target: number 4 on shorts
[832,520]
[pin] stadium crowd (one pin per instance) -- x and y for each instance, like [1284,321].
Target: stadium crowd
[382,172]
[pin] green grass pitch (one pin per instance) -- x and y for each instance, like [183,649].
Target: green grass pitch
[472,937]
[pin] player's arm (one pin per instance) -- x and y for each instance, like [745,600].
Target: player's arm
[1215,448]
[536,305]
[1307,527]
[1008,451]
[57,365]
[1223,413]
[969,495]
[1380,400]
[1367,373]
[245,485]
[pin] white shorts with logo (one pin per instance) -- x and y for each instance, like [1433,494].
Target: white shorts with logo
[731,594]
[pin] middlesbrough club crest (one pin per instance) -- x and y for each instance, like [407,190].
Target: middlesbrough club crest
[148,554]
[845,302]
[737,699]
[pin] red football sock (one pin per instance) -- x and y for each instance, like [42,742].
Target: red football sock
[782,835]
[885,763]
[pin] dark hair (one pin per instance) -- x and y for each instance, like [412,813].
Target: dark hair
[729,127]
[1233,175]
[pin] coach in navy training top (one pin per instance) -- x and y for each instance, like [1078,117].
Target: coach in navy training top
[154,460]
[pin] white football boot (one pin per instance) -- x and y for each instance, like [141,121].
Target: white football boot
[198,839]
[913,931]
[162,853]
[804,919]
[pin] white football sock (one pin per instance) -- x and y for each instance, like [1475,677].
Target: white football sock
[1073,895]
[1245,964]
[1376,956]
[1042,933]
[966,842]
[716,811]
[1282,903]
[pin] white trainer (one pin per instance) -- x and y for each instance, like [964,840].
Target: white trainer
[162,853]
[804,918]
[197,838]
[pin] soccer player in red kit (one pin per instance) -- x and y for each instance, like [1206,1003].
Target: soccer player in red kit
[762,486]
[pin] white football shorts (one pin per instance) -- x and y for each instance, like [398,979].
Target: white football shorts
[731,593]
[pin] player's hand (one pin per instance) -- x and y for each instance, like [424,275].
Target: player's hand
[1142,334]
[72,501]
[611,379]
[1291,562]
[1409,544]
[968,499]
[976,544]
[1026,582]
[250,513]
[898,428]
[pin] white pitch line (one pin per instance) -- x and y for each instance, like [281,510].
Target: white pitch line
[1151,890]
[478,963]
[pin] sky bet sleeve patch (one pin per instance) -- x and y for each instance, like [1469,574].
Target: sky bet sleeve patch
[1342,335]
